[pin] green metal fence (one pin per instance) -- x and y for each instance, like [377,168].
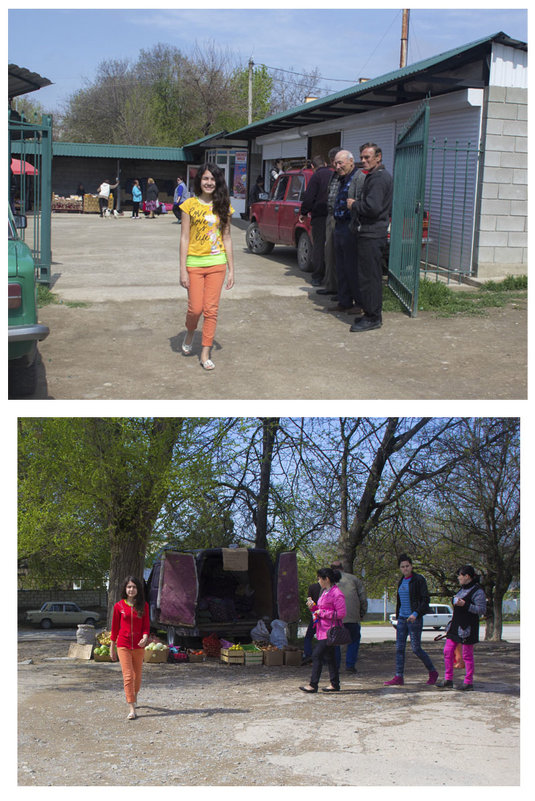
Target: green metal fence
[451,198]
[408,210]
[30,186]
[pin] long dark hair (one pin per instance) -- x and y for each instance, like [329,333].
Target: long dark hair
[334,576]
[221,198]
[139,602]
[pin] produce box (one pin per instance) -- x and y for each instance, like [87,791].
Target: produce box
[196,656]
[293,658]
[155,657]
[101,657]
[273,658]
[77,651]
[232,656]
[255,657]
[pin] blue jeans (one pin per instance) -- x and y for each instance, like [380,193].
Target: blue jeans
[352,651]
[414,629]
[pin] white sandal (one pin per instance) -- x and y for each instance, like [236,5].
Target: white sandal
[208,365]
[186,349]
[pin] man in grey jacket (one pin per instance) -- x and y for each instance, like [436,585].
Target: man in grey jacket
[356,607]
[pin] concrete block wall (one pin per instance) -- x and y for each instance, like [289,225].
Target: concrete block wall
[501,238]
[94,600]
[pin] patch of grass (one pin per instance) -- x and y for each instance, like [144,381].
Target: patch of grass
[446,302]
[45,298]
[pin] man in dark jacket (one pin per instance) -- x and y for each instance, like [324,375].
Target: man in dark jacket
[315,204]
[371,216]
[412,605]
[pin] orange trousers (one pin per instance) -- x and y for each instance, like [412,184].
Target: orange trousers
[132,667]
[205,285]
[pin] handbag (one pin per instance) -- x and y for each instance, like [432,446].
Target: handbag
[338,634]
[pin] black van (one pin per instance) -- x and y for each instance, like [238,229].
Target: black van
[225,591]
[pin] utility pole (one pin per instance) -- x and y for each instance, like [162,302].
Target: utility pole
[250,109]
[404,37]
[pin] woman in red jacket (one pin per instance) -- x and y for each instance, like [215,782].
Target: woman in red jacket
[130,629]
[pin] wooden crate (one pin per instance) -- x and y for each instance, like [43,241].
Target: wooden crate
[254,657]
[273,658]
[232,656]
[156,657]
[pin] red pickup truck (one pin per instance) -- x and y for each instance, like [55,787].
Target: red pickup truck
[276,221]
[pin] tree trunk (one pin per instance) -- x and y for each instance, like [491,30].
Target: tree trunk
[270,426]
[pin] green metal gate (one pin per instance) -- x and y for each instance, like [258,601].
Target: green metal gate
[30,187]
[408,210]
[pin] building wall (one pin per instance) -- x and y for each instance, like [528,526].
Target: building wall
[501,239]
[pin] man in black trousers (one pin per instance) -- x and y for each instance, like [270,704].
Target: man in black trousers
[370,218]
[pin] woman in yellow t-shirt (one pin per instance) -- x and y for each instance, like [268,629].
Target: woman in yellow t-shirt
[205,255]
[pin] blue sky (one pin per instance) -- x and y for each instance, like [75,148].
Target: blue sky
[345,44]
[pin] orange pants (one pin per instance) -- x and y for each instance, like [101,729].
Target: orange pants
[205,285]
[132,667]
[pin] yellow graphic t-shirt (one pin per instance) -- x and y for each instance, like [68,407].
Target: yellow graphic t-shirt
[205,238]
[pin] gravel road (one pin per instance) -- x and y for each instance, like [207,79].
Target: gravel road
[220,725]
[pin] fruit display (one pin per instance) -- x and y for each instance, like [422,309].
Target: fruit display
[104,638]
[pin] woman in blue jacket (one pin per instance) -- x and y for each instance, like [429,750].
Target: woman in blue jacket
[136,199]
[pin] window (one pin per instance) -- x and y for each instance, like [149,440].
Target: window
[279,190]
[296,187]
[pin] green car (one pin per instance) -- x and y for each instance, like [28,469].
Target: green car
[24,330]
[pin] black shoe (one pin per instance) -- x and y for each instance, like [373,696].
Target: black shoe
[444,684]
[315,282]
[306,690]
[351,669]
[330,689]
[325,292]
[465,687]
[306,660]
[365,324]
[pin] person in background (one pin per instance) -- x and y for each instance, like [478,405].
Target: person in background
[412,605]
[468,606]
[151,198]
[314,592]
[205,255]
[315,203]
[103,193]
[275,171]
[356,607]
[137,197]
[344,240]
[256,191]
[330,282]
[329,608]
[130,630]
[179,197]
[372,211]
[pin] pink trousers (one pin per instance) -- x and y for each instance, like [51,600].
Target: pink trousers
[468,657]
[205,285]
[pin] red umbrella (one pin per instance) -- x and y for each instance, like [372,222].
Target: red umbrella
[19,167]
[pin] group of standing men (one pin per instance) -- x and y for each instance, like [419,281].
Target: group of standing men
[350,206]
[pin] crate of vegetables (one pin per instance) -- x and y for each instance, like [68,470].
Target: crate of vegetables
[253,655]
[233,655]
[102,653]
[156,652]
[196,656]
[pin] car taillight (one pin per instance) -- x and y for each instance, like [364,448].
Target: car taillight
[14,296]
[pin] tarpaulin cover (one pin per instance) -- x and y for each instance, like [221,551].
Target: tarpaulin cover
[178,589]
[287,587]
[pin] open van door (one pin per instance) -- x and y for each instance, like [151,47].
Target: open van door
[287,587]
[178,588]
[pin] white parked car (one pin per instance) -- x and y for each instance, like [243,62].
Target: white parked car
[61,613]
[438,618]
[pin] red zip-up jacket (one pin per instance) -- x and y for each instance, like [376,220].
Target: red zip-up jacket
[127,627]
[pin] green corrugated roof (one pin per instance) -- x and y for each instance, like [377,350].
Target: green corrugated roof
[394,77]
[88,150]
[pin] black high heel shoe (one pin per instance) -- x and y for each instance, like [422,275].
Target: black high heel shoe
[306,690]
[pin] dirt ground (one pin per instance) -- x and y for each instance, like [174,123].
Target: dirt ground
[274,340]
[221,725]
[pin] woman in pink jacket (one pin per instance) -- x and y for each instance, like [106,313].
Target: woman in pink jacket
[130,630]
[330,609]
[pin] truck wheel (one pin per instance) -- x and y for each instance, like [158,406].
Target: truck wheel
[46,623]
[304,253]
[255,241]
